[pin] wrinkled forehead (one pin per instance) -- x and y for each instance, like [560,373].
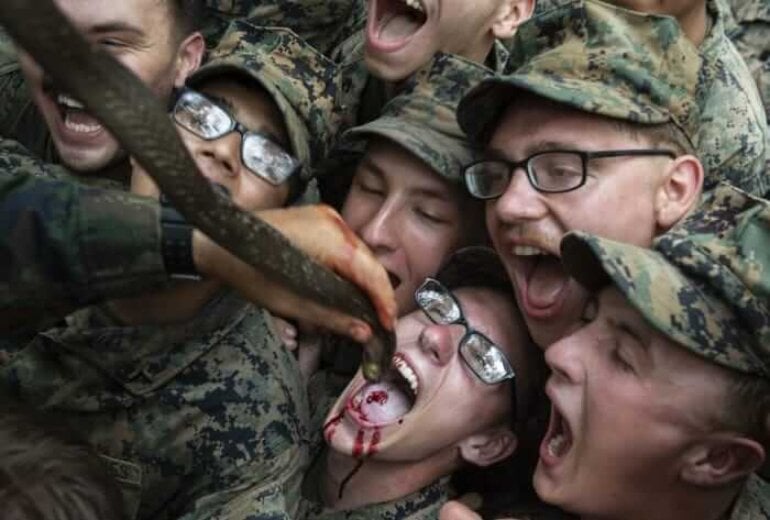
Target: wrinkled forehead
[99,14]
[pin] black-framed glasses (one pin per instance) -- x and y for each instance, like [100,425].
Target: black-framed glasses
[552,171]
[208,120]
[484,358]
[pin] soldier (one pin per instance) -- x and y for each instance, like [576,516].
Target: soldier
[157,41]
[593,132]
[201,411]
[390,447]
[732,137]
[677,344]
[749,30]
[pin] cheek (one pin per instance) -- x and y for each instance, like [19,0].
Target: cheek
[254,194]
[357,211]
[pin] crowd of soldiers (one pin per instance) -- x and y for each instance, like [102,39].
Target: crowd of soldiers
[557,205]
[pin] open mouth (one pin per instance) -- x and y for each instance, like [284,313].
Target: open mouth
[558,439]
[395,280]
[395,21]
[383,403]
[74,116]
[541,280]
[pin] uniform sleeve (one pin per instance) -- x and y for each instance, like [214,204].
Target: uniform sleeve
[63,244]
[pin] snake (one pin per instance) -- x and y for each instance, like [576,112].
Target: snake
[140,123]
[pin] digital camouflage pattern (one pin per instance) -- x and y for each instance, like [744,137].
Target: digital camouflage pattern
[732,138]
[705,284]
[421,118]
[323,23]
[753,502]
[66,244]
[597,58]
[302,82]
[204,419]
[749,30]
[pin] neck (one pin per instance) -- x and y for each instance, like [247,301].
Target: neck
[695,24]
[378,481]
[177,304]
[702,503]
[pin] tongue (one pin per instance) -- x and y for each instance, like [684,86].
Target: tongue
[398,26]
[546,282]
[383,402]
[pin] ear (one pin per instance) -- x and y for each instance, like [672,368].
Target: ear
[512,13]
[484,449]
[188,58]
[721,460]
[679,191]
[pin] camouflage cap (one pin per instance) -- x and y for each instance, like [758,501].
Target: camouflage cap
[301,81]
[597,58]
[706,283]
[421,118]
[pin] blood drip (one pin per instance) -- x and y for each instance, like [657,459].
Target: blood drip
[330,428]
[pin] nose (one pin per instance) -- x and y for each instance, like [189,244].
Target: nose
[520,201]
[223,155]
[564,358]
[437,343]
[379,232]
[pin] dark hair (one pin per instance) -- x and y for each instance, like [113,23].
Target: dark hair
[188,15]
[748,407]
[46,472]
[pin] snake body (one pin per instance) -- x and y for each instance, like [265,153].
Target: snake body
[138,120]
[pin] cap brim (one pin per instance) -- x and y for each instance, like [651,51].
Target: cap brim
[675,305]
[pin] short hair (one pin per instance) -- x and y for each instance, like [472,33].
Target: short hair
[666,135]
[748,406]
[46,472]
[188,15]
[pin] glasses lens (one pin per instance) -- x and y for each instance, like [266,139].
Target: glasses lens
[557,171]
[201,116]
[487,179]
[485,359]
[268,160]
[438,303]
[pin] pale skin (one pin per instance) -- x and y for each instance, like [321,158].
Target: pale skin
[400,40]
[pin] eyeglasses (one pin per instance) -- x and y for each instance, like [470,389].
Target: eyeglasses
[208,120]
[553,171]
[480,353]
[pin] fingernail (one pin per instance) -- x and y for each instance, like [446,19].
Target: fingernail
[360,332]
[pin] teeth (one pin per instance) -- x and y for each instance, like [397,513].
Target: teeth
[415,4]
[556,445]
[82,128]
[69,102]
[407,373]
[528,251]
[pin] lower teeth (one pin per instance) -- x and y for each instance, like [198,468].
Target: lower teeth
[556,445]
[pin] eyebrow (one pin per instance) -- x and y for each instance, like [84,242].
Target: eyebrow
[533,148]
[372,166]
[110,27]
[623,326]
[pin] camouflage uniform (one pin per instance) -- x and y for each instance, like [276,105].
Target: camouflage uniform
[420,119]
[749,30]
[732,138]
[704,285]
[609,61]
[66,244]
[199,419]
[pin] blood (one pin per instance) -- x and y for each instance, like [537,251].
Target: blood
[358,447]
[330,428]
[374,444]
[378,396]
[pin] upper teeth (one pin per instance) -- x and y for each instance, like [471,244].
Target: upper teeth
[69,102]
[415,4]
[556,444]
[528,251]
[406,371]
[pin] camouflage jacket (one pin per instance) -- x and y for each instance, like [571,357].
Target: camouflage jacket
[749,29]
[204,419]
[732,137]
[19,118]
[66,244]
[753,502]
[420,505]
